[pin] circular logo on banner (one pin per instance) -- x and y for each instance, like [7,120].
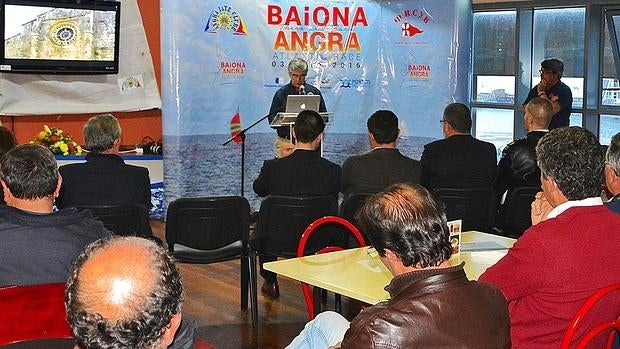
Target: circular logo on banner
[64,33]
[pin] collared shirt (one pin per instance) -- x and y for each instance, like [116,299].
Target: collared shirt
[576,203]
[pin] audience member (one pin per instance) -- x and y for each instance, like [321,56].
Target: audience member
[303,173]
[127,292]
[7,142]
[550,87]
[459,160]
[384,165]
[104,179]
[297,71]
[37,245]
[612,173]
[407,226]
[558,263]
[517,166]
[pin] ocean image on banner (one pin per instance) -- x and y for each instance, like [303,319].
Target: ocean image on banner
[189,173]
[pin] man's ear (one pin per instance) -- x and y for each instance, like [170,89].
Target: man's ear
[57,191]
[171,329]
[6,191]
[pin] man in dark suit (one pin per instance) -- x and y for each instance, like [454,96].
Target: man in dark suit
[612,173]
[517,166]
[104,179]
[459,160]
[384,165]
[303,173]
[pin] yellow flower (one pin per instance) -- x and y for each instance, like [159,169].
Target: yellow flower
[78,150]
[47,129]
[64,148]
[42,135]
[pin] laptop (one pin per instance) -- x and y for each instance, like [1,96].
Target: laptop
[297,103]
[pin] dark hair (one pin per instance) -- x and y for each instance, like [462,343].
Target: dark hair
[554,65]
[458,116]
[409,221]
[144,322]
[573,157]
[7,140]
[613,153]
[100,132]
[308,126]
[30,171]
[383,125]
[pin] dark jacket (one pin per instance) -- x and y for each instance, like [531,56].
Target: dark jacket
[518,166]
[436,308]
[459,161]
[614,204]
[565,98]
[374,171]
[278,104]
[104,179]
[40,248]
[303,173]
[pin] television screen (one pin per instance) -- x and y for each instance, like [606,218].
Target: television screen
[60,36]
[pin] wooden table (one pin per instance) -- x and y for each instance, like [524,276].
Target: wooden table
[356,274]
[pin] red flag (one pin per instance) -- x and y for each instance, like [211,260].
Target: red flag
[235,126]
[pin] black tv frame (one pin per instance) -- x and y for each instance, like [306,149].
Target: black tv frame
[51,66]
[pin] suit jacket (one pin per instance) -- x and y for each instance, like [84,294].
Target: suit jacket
[518,166]
[374,171]
[614,204]
[303,173]
[104,179]
[459,161]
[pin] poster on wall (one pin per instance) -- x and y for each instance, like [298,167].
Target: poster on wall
[224,60]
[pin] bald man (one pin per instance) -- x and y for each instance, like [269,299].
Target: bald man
[125,292]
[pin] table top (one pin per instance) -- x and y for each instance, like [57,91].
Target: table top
[356,274]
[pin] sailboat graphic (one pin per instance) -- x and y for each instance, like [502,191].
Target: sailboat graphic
[404,129]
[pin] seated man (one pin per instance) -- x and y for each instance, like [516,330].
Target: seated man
[112,305]
[558,263]
[459,160]
[407,226]
[612,173]
[303,173]
[38,245]
[104,179]
[517,167]
[384,165]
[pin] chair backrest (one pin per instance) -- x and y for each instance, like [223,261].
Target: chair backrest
[207,223]
[613,324]
[475,206]
[301,248]
[514,216]
[350,204]
[124,220]
[283,219]
[33,313]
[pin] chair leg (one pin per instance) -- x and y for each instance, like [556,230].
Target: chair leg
[253,288]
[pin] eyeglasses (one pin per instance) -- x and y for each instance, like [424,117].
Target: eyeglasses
[542,71]
[443,121]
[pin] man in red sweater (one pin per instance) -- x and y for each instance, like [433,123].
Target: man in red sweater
[551,270]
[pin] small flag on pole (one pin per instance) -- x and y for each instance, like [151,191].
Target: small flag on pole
[235,126]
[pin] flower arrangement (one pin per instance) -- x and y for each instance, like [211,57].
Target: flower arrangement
[57,141]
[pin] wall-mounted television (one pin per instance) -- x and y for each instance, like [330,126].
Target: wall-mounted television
[59,36]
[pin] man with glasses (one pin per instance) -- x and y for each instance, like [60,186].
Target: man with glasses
[551,88]
[459,160]
[297,71]
[612,173]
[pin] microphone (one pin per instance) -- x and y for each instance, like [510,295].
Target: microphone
[302,90]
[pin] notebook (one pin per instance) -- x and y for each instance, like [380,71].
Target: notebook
[297,103]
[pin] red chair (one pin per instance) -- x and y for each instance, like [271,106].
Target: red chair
[33,313]
[613,325]
[305,288]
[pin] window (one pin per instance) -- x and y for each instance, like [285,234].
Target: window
[495,126]
[610,85]
[609,126]
[493,55]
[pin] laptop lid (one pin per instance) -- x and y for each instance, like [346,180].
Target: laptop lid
[297,103]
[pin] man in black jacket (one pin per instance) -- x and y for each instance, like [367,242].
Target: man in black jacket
[407,227]
[517,166]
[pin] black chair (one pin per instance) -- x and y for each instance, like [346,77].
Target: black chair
[475,206]
[514,216]
[348,208]
[124,220]
[211,230]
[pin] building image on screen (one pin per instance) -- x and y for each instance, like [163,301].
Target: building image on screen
[59,34]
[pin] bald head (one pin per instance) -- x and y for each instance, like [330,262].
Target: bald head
[539,111]
[123,291]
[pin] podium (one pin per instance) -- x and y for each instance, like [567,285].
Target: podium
[285,119]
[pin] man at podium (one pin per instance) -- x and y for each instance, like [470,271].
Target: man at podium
[297,71]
